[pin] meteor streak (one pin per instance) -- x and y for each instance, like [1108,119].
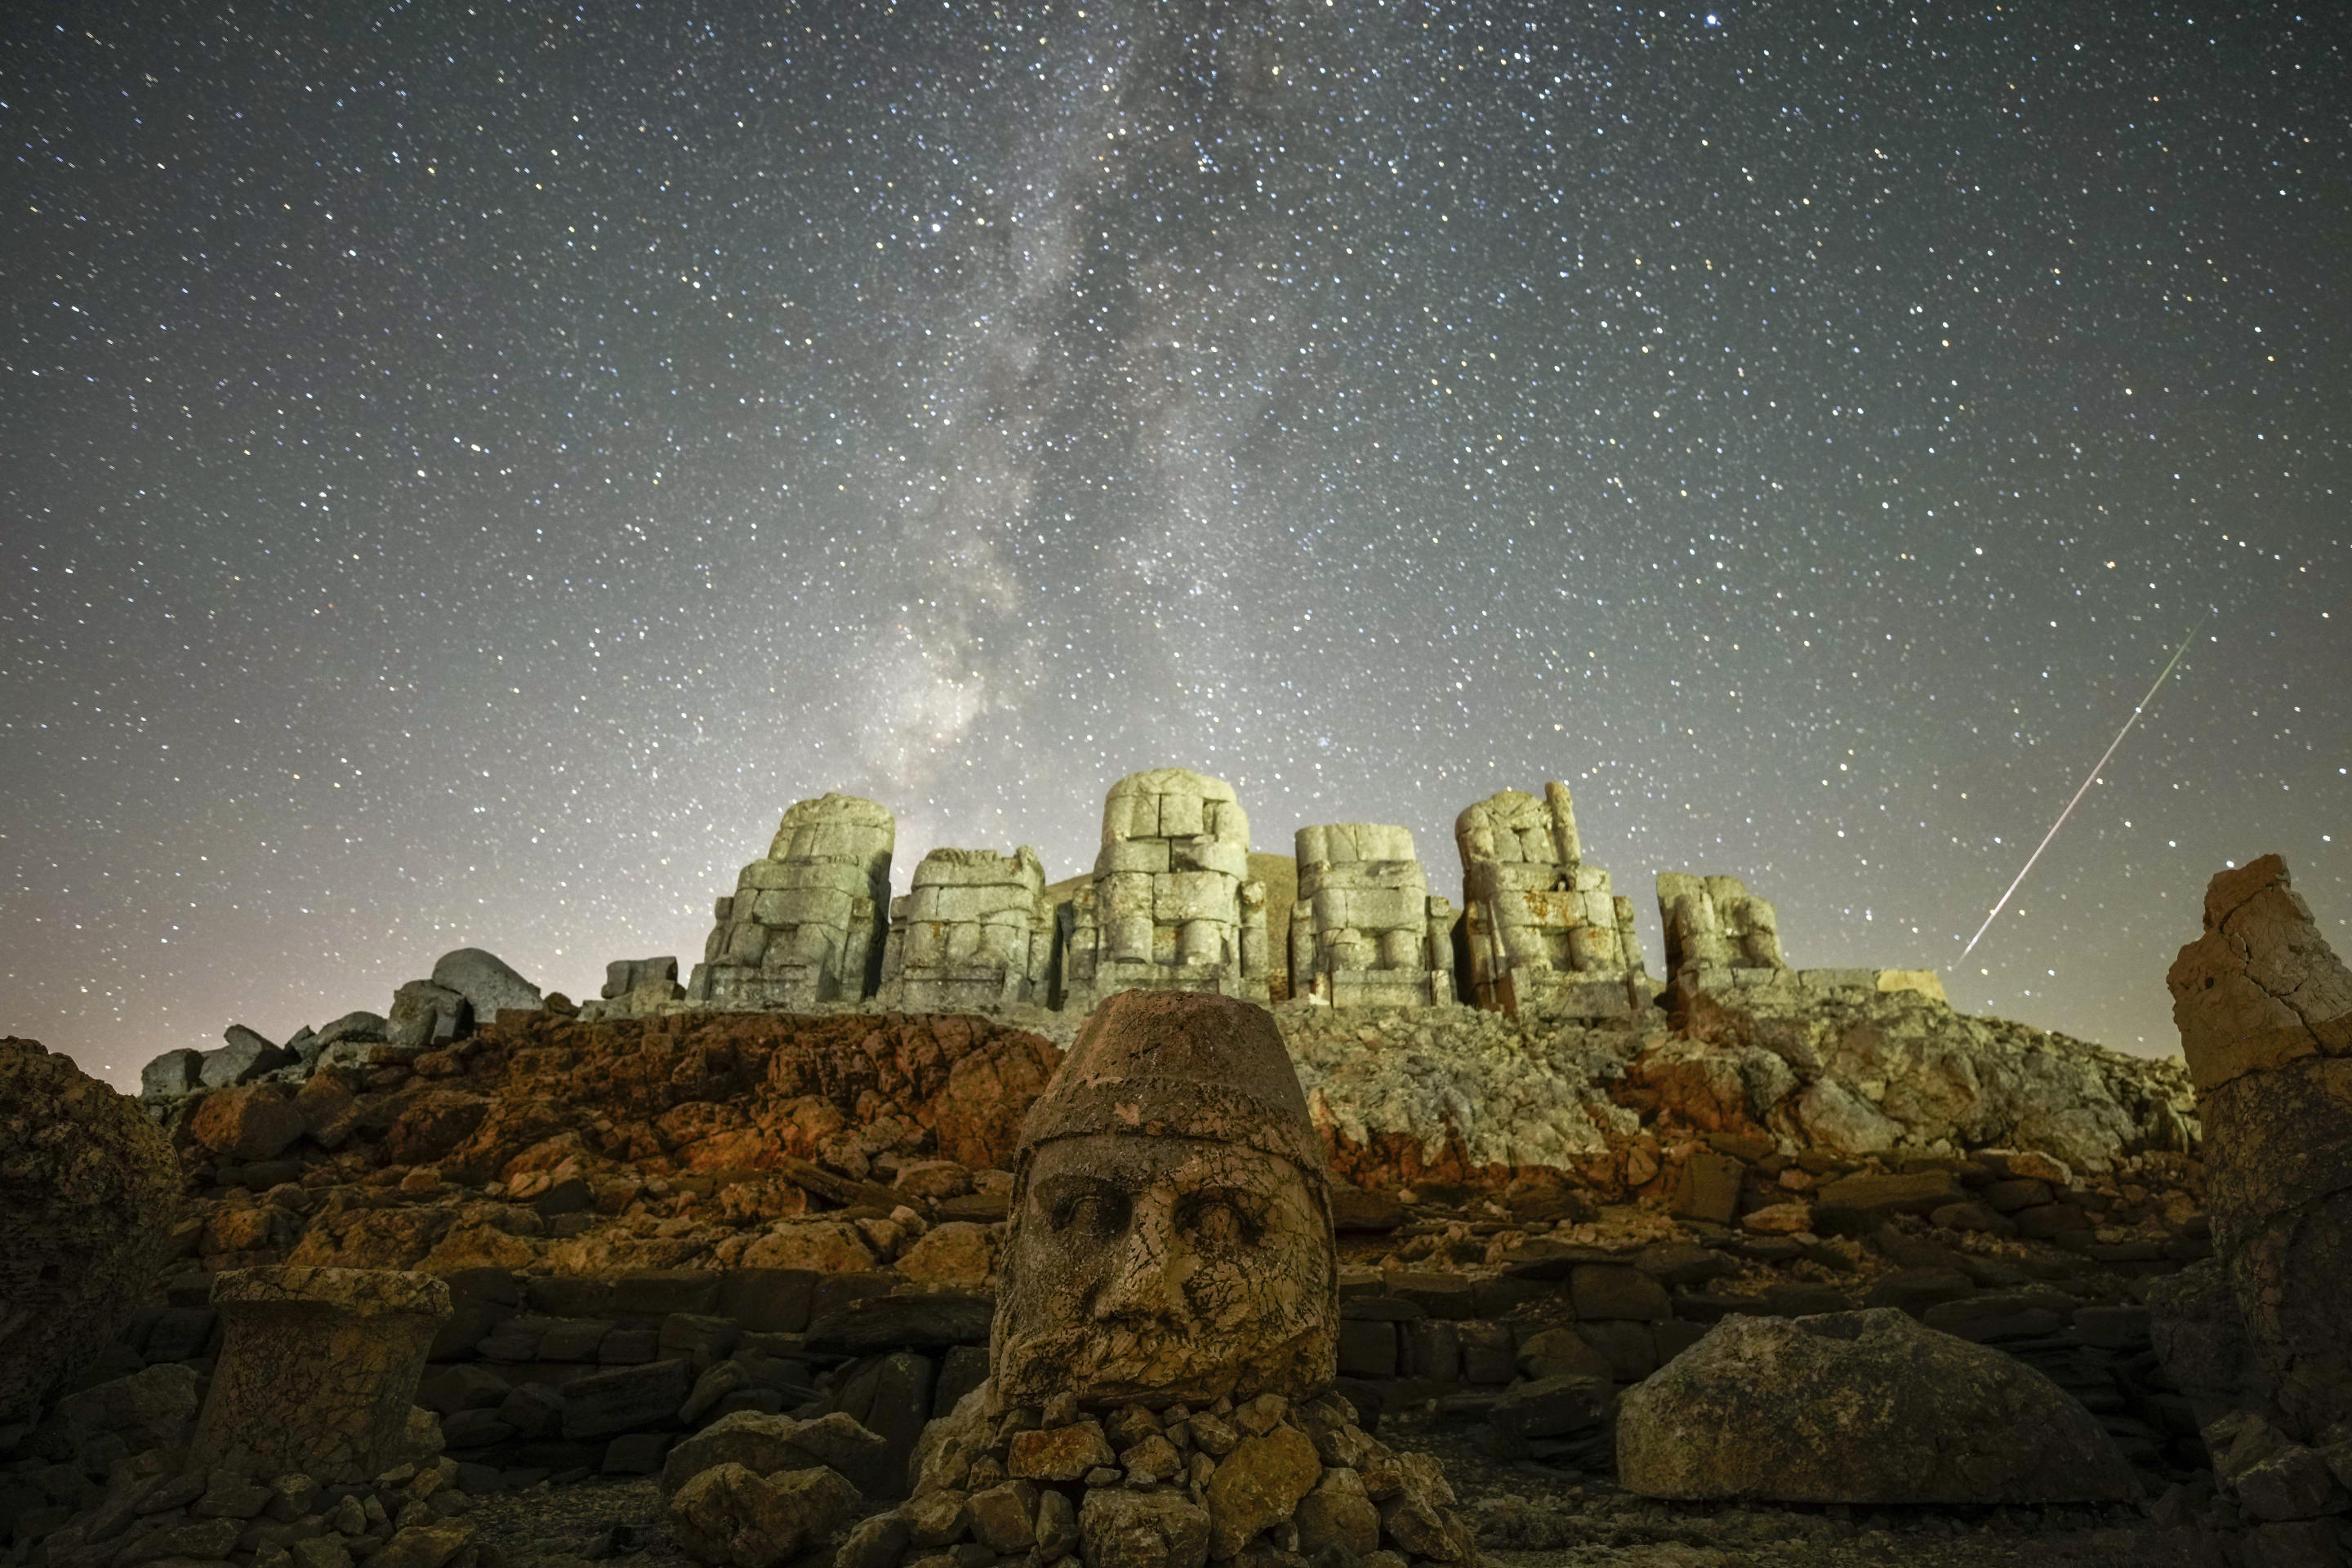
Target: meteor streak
[2080,793]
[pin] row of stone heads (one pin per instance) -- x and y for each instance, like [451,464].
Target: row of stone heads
[1171,901]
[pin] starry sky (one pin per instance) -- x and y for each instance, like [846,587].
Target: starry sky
[465,470]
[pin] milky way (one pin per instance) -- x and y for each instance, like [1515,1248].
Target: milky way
[465,474]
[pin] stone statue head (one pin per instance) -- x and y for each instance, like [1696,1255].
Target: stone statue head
[1170,1233]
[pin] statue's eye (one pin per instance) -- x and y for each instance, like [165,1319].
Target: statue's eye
[1215,1223]
[1094,1211]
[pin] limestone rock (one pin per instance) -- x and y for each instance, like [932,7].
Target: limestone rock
[1363,931]
[1860,1407]
[1713,926]
[88,1188]
[729,1515]
[761,1443]
[2264,1009]
[245,1057]
[1393,1096]
[1885,1068]
[423,1013]
[487,982]
[172,1075]
[1121,1529]
[149,1409]
[1542,929]
[1258,1484]
[424,1545]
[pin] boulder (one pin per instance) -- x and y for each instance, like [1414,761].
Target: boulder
[761,1443]
[1258,1484]
[88,1191]
[486,982]
[422,1014]
[358,1025]
[606,1403]
[244,1058]
[252,1122]
[1121,1529]
[727,1515]
[1861,1407]
[172,1075]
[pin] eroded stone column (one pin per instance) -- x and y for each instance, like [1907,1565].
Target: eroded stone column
[318,1369]
[2265,1010]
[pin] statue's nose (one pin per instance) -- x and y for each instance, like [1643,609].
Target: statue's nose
[1145,1273]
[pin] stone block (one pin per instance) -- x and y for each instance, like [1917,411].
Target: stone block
[625,1399]
[1147,856]
[1707,1187]
[1181,896]
[1206,854]
[656,1293]
[767,1301]
[1368,1349]
[1616,1291]
[319,1369]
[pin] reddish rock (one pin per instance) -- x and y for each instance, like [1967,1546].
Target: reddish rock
[371,1239]
[87,1192]
[251,1122]
[433,1124]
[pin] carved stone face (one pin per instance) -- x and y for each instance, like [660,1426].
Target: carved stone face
[1165,1269]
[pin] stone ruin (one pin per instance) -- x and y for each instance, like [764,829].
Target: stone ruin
[318,1371]
[1364,931]
[806,922]
[1170,906]
[1717,933]
[1541,929]
[1161,1374]
[974,932]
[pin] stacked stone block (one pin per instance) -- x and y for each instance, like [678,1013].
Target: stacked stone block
[1541,927]
[1365,931]
[1170,906]
[974,932]
[807,922]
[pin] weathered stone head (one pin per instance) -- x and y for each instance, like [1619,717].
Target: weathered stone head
[1171,1235]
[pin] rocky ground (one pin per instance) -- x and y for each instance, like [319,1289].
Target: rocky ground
[691,1196]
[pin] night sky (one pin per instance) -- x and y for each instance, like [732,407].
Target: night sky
[465,470]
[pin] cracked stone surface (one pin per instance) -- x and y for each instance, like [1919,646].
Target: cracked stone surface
[1171,1235]
[2265,1010]
[318,1371]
